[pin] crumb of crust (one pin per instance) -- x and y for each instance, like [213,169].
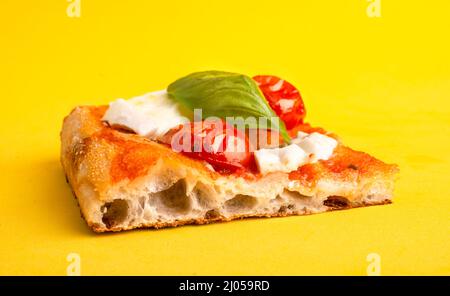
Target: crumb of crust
[207,220]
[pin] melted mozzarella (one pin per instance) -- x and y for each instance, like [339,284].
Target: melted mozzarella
[318,146]
[285,159]
[151,115]
[306,148]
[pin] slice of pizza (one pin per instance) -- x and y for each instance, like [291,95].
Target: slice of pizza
[214,146]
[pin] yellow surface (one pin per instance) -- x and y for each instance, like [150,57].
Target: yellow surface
[383,84]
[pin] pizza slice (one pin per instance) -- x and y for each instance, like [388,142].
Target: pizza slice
[215,146]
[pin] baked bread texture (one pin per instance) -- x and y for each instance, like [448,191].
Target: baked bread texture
[124,181]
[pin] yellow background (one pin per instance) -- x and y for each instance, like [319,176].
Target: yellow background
[383,84]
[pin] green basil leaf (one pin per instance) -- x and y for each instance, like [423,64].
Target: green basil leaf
[224,94]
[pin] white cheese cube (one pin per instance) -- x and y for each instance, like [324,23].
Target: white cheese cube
[318,146]
[285,159]
[151,115]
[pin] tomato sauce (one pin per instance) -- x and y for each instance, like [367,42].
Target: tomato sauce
[131,160]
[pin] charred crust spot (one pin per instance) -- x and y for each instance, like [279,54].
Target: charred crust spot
[352,167]
[284,209]
[336,202]
[212,214]
[114,212]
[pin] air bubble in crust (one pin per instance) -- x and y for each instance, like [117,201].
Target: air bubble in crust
[115,212]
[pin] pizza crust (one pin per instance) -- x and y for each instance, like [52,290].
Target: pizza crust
[124,181]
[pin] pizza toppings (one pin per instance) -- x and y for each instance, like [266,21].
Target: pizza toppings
[227,95]
[283,98]
[306,148]
[317,145]
[224,99]
[151,115]
[285,159]
[221,145]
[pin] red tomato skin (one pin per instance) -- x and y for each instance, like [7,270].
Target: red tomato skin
[204,133]
[283,98]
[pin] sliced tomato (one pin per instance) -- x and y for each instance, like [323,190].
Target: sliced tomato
[284,99]
[223,146]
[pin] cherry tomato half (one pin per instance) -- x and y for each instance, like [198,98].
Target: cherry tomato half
[284,99]
[223,146]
